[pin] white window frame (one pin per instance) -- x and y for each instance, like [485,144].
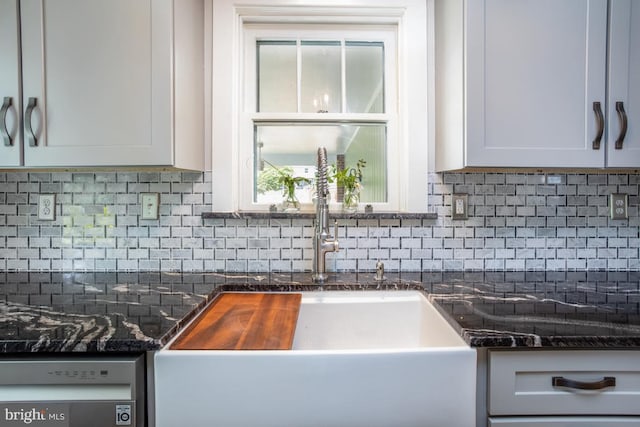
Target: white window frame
[249,116]
[232,148]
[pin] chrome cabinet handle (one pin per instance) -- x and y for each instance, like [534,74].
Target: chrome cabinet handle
[597,108]
[33,141]
[3,122]
[622,115]
[580,385]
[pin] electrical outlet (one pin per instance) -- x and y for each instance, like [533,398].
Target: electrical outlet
[554,179]
[619,203]
[47,207]
[459,206]
[150,205]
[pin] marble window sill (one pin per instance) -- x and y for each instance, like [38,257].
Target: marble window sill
[311,215]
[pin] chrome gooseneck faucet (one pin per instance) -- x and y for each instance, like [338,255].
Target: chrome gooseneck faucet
[323,242]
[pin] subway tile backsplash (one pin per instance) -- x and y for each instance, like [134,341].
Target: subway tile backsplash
[516,222]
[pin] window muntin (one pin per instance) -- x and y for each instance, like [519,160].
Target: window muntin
[321,83]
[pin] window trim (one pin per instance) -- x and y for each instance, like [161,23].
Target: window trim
[415,126]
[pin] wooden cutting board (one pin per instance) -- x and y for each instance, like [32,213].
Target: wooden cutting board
[244,321]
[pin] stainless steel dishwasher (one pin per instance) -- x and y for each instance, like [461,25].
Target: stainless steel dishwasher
[72,391]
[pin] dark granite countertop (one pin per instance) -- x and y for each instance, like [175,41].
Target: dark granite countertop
[95,312]
[133,312]
[544,309]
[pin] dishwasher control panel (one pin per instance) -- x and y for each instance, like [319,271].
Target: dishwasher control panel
[73,392]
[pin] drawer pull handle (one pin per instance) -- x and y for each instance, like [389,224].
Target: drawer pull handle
[580,385]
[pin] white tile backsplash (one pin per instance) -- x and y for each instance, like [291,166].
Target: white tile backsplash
[517,221]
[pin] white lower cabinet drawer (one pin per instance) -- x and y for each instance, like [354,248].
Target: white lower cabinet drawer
[564,382]
[565,422]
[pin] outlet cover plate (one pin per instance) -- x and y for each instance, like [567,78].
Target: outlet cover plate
[150,205]
[619,204]
[459,206]
[47,207]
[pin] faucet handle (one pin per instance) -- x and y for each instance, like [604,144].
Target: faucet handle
[335,236]
[379,271]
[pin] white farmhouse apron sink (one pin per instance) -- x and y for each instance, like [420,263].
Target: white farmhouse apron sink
[359,358]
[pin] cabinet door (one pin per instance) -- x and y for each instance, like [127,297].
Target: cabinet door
[99,74]
[10,102]
[534,70]
[589,421]
[549,382]
[624,84]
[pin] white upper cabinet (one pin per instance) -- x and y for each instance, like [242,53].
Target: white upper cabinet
[523,83]
[111,83]
[534,70]
[10,101]
[623,104]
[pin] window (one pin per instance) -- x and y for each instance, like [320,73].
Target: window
[289,78]
[311,86]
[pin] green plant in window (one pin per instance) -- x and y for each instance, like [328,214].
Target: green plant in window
[287,182]
[349,179]
[269,179]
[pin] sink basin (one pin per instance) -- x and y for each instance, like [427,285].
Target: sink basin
[382,320]
[359,358]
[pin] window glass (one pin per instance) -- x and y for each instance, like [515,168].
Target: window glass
[364,75]
[321,90]
[322,70]
[292,147]
[277,76]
